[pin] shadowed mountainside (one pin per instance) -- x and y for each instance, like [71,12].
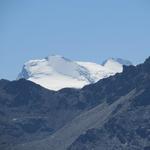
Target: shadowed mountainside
[114,111]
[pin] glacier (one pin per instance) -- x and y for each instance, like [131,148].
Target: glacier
[56,72]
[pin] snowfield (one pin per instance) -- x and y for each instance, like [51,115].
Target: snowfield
[56,72]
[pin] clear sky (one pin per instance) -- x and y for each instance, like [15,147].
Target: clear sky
[90,30]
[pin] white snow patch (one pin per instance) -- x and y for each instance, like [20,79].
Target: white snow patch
[56,72]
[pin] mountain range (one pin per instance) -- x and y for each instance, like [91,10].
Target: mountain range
[56,72]
[111,114]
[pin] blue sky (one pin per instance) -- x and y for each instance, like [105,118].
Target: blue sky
[90,30]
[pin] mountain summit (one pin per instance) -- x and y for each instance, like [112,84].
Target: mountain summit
[118,60]
[56,72]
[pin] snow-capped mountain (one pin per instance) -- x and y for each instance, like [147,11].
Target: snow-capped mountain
[113,62]
[56,72]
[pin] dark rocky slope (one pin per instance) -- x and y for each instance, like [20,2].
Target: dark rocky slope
[30,113]
[128,127]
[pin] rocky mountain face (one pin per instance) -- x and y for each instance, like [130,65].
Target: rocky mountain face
[128,127]
[56,72]
[111,114]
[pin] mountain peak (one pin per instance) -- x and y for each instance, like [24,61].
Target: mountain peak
[57,59]
[116,64]
[113,65]
[124,62]
[147,61]
[56,72]
[146,65]
[118,60]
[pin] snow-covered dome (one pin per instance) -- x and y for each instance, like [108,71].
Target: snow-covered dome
[56,72]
